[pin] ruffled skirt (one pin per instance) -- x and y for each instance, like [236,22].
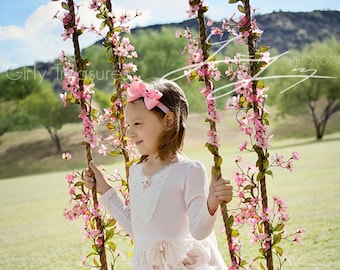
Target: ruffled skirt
[189,254]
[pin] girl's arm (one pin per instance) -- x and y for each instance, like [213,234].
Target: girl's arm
[203,203]
[109,199]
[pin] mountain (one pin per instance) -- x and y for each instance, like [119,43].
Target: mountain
[282,31]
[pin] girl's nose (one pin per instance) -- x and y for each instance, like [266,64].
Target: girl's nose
[129,133]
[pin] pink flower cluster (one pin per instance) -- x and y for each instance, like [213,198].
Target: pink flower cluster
[78,89]
[203,69]
[252,118]
[74,94]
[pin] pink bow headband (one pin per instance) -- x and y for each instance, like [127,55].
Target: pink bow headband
[151,97]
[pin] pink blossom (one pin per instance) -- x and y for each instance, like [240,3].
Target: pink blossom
[289,165]
[99,242]
[262,143]
[284,217]
[70,177]
[242,22]
[295,156]
[116,142]
[278,159]
[243,146]
[265,57]
[238,159]
[67,18]
[297,239]
[83,261]
[301,230]
[66,156]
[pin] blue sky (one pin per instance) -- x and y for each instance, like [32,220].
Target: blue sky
[29,34]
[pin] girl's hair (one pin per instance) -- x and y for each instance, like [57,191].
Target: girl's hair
[171,140]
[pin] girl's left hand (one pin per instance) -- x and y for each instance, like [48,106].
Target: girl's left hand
[220,191]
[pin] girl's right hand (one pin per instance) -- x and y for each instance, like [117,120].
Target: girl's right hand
[101,185]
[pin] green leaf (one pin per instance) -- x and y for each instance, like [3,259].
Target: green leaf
[212,148]
[100,16]
[269,172]
[102,25]
[95,262]
[111,245]
[248,187]
[218,161]
[110,233]
[235,233]
[265,164]
[258,258]
[230,221]
[279,227]
[233,1]
[205,8]
[277,238]
[87,81]
[95,248]
[111,223]
[64,5]
[260,176]
[263,49]
[262,267]
[278,249]
[79,184]
[260,85]
[262,252]
[115,153]
[241,9]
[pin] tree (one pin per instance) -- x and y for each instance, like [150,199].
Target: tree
[319,97]
[15,86]
[47,110]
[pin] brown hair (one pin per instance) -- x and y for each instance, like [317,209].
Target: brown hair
[171,140]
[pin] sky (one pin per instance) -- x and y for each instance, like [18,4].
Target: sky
[28,32]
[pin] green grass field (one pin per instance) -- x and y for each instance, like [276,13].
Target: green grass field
[35,236]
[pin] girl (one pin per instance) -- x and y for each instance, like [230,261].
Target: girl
[172,212]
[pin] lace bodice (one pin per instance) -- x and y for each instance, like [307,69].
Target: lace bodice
[145,192]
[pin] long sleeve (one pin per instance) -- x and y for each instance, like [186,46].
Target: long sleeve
[201,223]
[117,208]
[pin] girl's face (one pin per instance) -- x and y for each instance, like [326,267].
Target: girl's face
[144,128]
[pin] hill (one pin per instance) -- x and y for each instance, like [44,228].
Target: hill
[282,31]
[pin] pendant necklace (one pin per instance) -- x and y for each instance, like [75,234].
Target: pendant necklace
[146,182]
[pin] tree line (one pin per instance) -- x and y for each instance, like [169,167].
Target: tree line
[29,101]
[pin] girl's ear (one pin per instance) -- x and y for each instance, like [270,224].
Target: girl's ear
[169,120]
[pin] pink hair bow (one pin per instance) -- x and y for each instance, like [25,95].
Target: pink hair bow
[151,97]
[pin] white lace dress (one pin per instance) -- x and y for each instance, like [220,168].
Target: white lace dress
[168,218]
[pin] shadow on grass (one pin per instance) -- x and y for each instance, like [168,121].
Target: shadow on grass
[41,156]
[301,142]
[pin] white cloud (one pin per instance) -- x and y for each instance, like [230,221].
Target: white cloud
[10,32]
[40,38]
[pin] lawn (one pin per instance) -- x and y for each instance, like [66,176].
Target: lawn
[34,235]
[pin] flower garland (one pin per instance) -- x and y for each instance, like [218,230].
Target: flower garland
[99,227]
[267,224]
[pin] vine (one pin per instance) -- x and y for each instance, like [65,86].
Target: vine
[267,224]
[99,227]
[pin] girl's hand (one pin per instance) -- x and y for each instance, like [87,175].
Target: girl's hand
[220,191]
[101,185]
